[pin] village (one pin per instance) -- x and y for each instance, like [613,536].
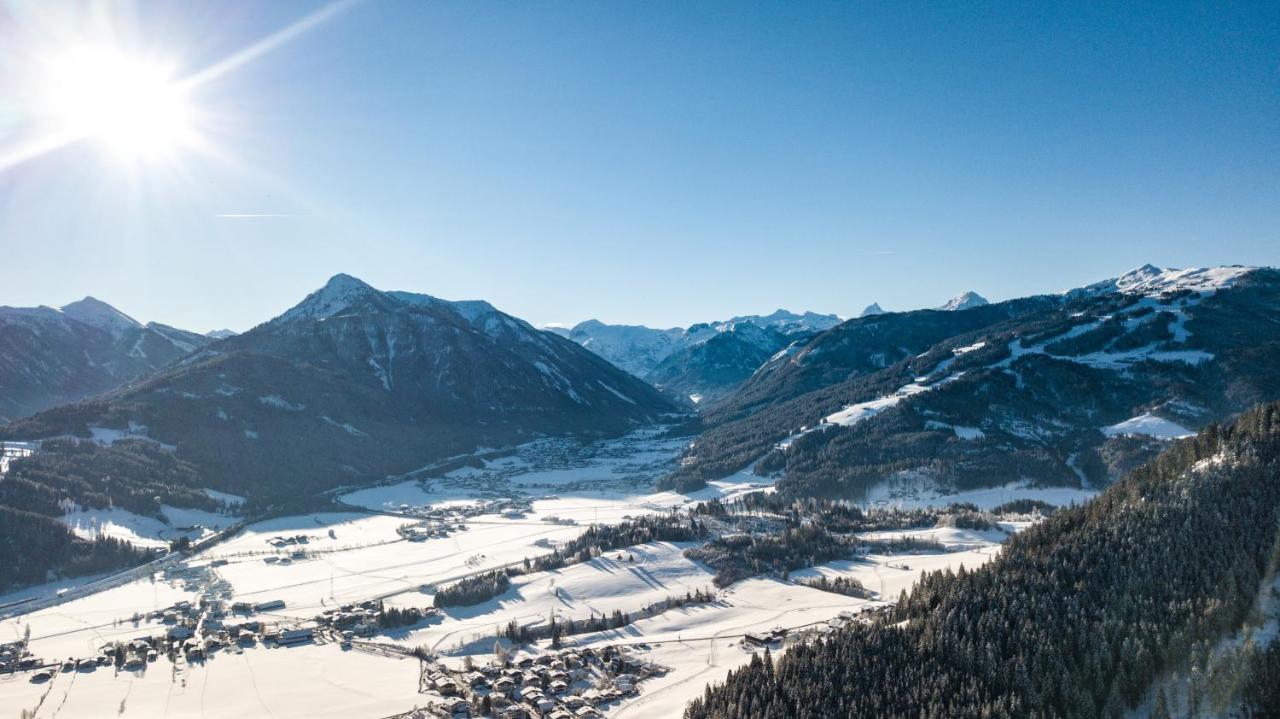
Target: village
[476,594]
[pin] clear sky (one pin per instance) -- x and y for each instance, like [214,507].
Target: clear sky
[642,162]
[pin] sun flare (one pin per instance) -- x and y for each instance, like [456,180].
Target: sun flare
[131,105]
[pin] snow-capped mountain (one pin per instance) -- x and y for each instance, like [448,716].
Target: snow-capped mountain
[1070,388]
[703,361]
[220,334]
[356,383]
[1153,281]
[964,301]
[871,310]
[50,356]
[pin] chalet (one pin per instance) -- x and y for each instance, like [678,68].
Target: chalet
[504,685]
[530,694]
[586,712]
[559,687]
[545,704]
[758,640]
[269,605]
[296,635]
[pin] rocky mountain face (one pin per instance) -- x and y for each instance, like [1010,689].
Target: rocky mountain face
[1064,389]
[353,384]
[964,301]
[51,356]
[704,362]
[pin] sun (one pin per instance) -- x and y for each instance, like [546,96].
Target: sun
[131,105]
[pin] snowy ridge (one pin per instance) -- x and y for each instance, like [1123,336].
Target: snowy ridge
[1151,280]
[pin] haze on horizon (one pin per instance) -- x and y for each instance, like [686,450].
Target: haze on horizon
[657,164]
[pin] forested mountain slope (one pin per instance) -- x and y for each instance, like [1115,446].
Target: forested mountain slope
[354,384]
[1065,389]
[1077,616]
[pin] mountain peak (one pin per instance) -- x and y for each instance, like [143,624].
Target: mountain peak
[872,309]
[340,292]
[964,301]
[96,313]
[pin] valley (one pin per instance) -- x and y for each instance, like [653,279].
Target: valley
[401,541]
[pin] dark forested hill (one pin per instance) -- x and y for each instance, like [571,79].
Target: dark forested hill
[1076,617]
[354,384]
[1066,389]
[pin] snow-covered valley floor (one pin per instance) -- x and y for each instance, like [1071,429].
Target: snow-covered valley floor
[403,540]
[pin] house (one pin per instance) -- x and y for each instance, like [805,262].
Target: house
[586,712]
[297,635]
[545,704]
[179,632]
[530,694]
[504,685]
[269,605]
[457,706]
[559,687]
[757,640]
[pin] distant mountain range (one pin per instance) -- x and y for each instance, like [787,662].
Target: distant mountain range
[354,383]
[705,361]
[51,356]
[1073,388]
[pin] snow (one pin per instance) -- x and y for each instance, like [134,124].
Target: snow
[855,413]
[143,531]
[701,643]
[964,301]
[913,490]
[231,499]
[616,393]
[645,574]
[301,681]
[1149,425]
[274,400]
[1152,281]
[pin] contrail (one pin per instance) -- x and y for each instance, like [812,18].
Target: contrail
[247,215]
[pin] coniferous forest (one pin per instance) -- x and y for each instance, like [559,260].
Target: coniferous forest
[1078,617]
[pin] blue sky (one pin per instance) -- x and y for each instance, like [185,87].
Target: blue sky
[657,163]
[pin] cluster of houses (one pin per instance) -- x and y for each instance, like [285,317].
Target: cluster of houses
[566,684]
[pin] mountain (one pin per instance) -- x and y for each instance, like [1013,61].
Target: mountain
[871,310]
[1094,611]
[51,356]
[964,301]
[354,384]
[1066,389]
[220,334]
[705,361]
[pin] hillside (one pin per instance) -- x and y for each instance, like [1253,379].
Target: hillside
[1061,389]
[51,356]
[353,384]
[1077,617]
